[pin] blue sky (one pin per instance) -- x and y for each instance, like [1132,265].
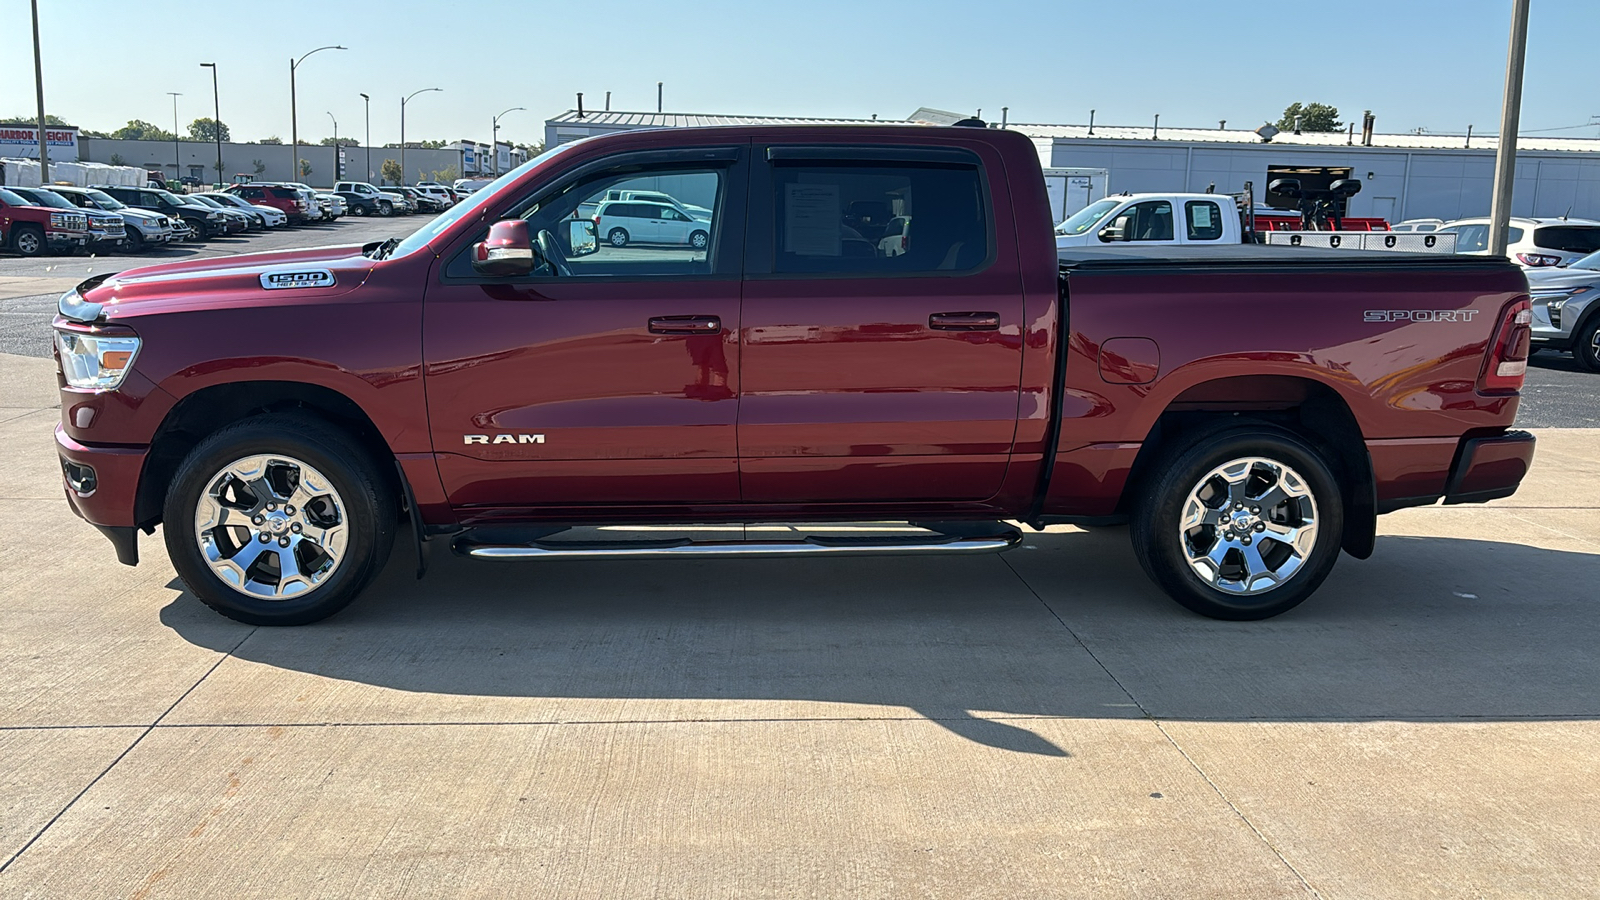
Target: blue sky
[1434,64]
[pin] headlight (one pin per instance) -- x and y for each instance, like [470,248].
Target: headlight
[60,221]
[95,361]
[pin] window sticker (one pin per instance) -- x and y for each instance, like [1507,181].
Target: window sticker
[811,218]
[1202,215]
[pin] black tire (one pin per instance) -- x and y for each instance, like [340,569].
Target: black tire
[135,241]
[359,210]
[1586,344]
[369,509]
[1163,548]
[699,240]
[198,230]
[385,208]
[617,237]
[28,240]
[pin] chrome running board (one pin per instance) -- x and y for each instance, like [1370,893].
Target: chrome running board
[997,538]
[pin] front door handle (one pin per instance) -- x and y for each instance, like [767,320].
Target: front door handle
[964,321]
[685,325]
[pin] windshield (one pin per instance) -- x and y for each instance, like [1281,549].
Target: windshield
[13,199]
[104,200]
[1084,219]
[474,204]
[203,200]
[169,197]
[50,198]
[1592,261]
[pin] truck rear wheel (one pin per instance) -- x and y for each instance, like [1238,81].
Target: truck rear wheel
[278,520]
[1243,524]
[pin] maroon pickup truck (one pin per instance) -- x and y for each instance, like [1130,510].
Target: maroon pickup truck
[873,325]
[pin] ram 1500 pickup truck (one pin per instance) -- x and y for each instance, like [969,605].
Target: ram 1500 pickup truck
[502,375]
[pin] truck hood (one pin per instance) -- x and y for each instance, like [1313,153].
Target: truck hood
[322,272]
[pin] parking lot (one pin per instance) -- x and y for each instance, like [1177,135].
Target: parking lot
[1040,723]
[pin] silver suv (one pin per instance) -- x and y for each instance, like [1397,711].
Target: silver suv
[1565,314]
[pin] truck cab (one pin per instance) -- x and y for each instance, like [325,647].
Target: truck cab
[1153,220]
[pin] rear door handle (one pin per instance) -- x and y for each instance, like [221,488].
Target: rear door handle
[964,321]
[685,325]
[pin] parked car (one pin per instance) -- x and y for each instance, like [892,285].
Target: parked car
[34,230]
[1566,315]
[1417,225]
[896,237]
[271,216]
[778,376]
[689,209]
[624,222]
[141,227]
[286,200]
[204,222]
[466,186]
[1531,243]
[438,192]
[106,231]
[422,202]
[237,219]
[333,205]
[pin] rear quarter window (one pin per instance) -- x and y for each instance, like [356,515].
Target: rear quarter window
[1568,238]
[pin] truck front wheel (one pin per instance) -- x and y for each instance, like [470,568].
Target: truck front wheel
[1243,524]
[28,241]
[278,520]
[1587,346]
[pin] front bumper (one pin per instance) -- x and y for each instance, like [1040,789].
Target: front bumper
[59,241]
[101,484]
[1488,468]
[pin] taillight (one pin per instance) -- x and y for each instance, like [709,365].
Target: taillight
[1507,362]
[905,242]
[597,220]
[1538,259]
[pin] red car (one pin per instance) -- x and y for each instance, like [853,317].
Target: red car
[31,229]
[282,198]
[501,375]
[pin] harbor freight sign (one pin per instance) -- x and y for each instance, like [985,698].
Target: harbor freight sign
[23,141]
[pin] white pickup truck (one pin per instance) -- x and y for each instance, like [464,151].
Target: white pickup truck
[1154,219]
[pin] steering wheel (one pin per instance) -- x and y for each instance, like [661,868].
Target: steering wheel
[549,249]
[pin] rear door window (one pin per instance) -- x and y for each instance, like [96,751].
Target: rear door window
[833,217]
[1568,238]
[1203,220]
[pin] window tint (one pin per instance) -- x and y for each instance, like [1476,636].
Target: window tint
[836,218]
[633,239]
[1568,238]
[1148,221]
[1203,220]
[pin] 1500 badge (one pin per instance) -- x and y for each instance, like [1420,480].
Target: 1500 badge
[503,439]
[303,278]
[1419,315]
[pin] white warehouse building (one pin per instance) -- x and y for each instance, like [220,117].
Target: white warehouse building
[1403,176]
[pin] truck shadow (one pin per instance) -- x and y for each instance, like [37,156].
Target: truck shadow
[1064,627]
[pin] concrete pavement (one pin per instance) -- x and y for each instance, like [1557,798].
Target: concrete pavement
[1043,723]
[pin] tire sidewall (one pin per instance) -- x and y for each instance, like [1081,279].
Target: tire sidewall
[354,478]
[613,234]
[1155,527]
[1583,347]
[38,242]
[705,240]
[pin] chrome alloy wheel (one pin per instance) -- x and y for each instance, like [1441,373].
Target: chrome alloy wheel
[271,526]
[1248,526]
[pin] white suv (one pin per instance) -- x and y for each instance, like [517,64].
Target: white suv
[1531,243]
[623,222]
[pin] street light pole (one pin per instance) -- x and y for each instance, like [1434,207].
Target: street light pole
[177,164]
[38,84]
[403,101]
[216,113]
[1505,157]
[369,135]
[294,123]
[336,174]
[494,138]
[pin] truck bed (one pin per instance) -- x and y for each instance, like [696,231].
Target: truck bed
[1263,256]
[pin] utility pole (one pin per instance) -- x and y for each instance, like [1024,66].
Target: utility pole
[403,129]
[216,113]
[38,84]
[294,122]
[1505,157]
[369,135]
[494,139]
[177,164]
[658,96]
[336,173]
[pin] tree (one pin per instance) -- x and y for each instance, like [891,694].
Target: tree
[343,142]
[140,130]
[50,121]
[260,166]
[274,139]
[305,168]
[533,149]
[117,160]
[206,129]
[1313,117]
[391,171]
[446,175]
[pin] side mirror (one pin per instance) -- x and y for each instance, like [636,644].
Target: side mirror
[1110,233]
[506,251]
[583,237]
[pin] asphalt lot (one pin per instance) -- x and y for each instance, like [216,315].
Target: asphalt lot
[1041,723]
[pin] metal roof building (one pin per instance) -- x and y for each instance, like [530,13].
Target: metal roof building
[1403,175]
